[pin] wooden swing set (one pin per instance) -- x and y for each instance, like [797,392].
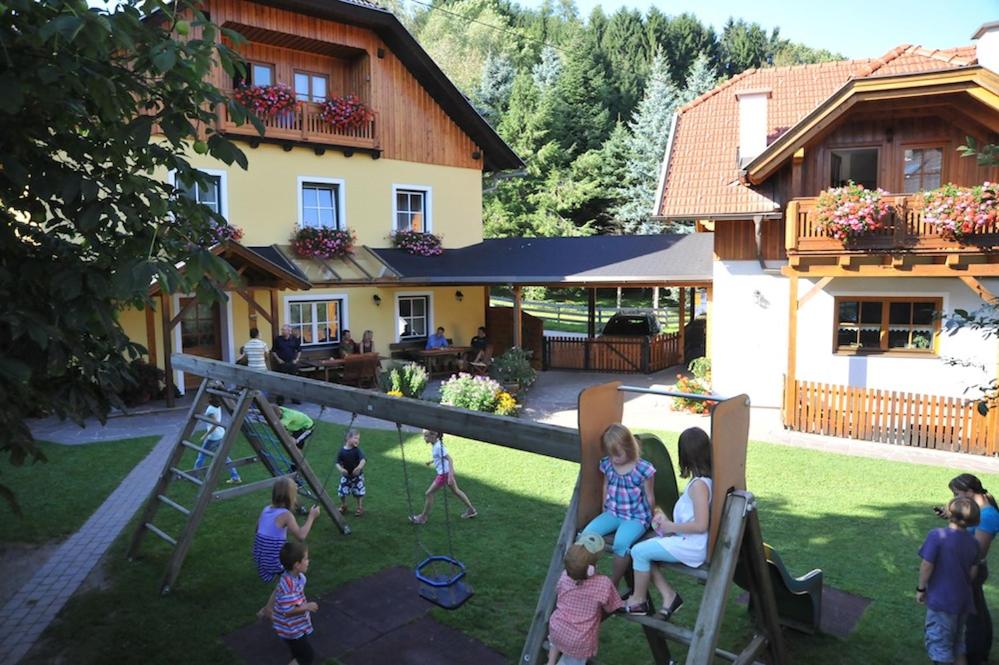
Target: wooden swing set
[735,538]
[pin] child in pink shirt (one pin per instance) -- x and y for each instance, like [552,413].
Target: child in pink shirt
[583,600]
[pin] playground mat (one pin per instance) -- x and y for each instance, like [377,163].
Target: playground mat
[841,611]
[373,620]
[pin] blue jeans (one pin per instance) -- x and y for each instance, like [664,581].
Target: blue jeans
[626,532]
[213,446]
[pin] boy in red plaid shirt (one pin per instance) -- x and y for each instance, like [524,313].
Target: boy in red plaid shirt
[584,599]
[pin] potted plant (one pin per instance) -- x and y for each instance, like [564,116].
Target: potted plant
[345,112]
[322,242]
[266,101]
[513,370]
[409,380]
[848,212]
[220,232]
[958,212]
[417,242]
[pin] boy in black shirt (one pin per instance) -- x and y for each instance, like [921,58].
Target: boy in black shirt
[350,462]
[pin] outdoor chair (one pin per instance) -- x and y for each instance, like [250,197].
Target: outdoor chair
[481,368]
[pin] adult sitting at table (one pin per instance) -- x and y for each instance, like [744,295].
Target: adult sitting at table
[368,342]
[347,344]
[437,340]
[479,344]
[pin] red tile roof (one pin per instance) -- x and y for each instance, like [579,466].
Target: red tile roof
[703,176]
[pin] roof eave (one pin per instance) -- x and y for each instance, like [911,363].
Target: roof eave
[773,157]
[497,154]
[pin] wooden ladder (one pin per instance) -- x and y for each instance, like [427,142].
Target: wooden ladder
[739,542]
[238,403]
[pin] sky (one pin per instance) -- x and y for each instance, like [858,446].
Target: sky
[855,28]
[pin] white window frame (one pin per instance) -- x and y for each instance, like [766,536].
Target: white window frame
[429,295]
[427,192]
[223,187]
[228,341]
[341,206]
[320,297]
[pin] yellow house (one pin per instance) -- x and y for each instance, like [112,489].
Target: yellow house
[415,164]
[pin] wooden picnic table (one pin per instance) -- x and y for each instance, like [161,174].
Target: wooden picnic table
[435,360]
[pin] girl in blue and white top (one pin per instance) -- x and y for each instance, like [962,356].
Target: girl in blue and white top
[684,539]
[629,495]
[441,460]
[978,629]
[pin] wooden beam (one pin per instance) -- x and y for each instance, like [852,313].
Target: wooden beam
[792,342]
[791,228]
[814,290]
[683,324]
[540,438]
[518,333]
[979,289]
[151,334]
[251,301]
[912,270]
[797,175]
[275,314]
[953,260]
[758,236]
[191,302]
[167,347]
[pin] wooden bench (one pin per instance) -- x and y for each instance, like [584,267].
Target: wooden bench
[406,350]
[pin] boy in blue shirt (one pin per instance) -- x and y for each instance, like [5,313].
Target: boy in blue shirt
[948,566]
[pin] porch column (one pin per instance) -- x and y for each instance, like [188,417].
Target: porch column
[167,346]
[591,313]
[693,303]
[655,297]
[683,323]
[517,336]
[274,312]
[792,349]
[485,308]
[709,295]
[151,334]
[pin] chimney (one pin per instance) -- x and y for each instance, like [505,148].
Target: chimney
[987,48]
[752,123]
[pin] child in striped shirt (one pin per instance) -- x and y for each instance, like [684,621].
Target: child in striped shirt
[292,619]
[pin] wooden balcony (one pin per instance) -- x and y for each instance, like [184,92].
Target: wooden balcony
[304,125]
[905,231]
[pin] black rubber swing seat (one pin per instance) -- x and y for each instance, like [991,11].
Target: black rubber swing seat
[442,582]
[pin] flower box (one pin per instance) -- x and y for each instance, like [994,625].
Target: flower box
[219,233]
[345,112]
[266,101]
[851,211]
[322,243]
[958,212]
[418,243]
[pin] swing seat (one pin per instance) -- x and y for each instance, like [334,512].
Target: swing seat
[441,582]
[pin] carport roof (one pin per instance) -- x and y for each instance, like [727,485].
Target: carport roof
[609,260]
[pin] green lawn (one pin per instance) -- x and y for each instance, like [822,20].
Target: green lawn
[860,520]
[57,496]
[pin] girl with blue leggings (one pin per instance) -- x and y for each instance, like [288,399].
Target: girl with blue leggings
[684,539]
[629,495]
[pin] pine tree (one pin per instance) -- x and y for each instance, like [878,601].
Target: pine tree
[700,79]
[684,39]
[623,49]
[649,135]
[574,111]
[495,85]
[547,71]
[744,45]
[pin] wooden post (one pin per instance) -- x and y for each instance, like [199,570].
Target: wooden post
[151,335]
[531,652]
[619,297]
[683,323]
[517,331]
[275,318]
[485,307]
[591,313]
[791,226]
[792,347]
[655,297]
[693,303]
[167,346]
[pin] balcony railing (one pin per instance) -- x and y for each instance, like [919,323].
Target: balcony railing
[306,125]
[905,230]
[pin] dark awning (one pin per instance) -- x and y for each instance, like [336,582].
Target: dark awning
[609,260]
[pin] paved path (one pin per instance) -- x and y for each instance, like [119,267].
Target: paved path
[552,399]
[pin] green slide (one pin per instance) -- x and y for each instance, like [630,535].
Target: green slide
[654,451]
[799,599]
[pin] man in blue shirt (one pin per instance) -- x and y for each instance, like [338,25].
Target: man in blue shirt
[285,354]
[437,340]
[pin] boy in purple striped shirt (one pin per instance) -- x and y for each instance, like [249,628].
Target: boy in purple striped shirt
[292,619]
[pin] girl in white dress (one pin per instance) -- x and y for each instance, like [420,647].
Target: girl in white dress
[685,538]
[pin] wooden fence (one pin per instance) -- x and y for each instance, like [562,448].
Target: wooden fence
[889,416]
[571,313]
[613,354]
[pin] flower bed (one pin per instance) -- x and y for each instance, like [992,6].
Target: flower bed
[847,212]
[266,100]
[410,380]
[345,112]
[418,243]
[478,393]
[322,243]
[961,211]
